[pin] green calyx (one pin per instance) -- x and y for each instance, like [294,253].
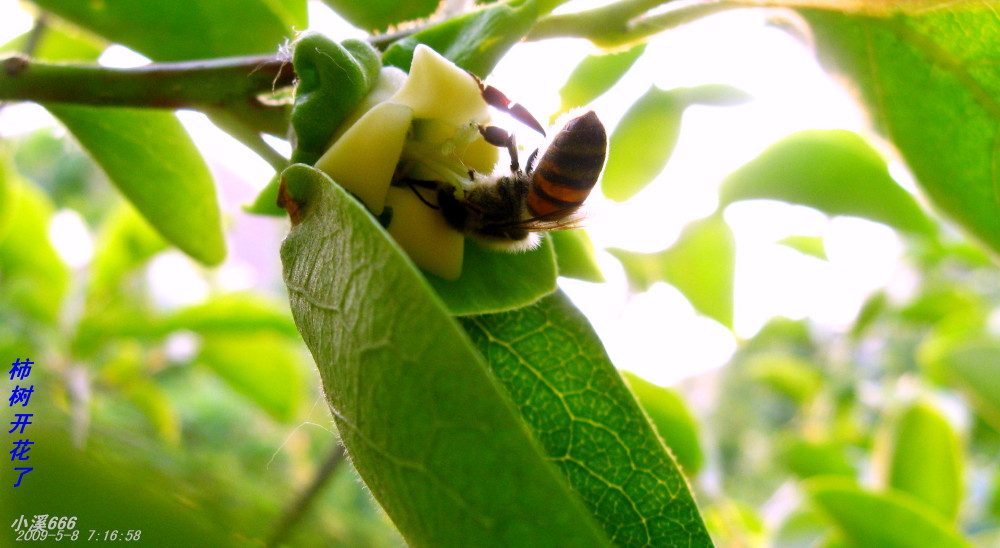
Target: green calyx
[333,79]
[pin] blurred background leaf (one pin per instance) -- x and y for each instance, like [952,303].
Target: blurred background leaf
[575,255]
[594,75]
[379,15]
[834,171]
[923,458]
[700,264]
[943,53]
[168,30]
[902,522]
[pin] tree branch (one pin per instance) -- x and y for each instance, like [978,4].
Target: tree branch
[624,23]
[231,83]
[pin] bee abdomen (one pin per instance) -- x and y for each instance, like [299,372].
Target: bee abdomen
[570,167]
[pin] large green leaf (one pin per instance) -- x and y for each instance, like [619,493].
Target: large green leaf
[558,374]
[923,458]
[834,171]
[596,74]
[170,30]
[378,15]
[475,41]
[931,83]
[429,429]
[892,520]
[154,163]
[701,264]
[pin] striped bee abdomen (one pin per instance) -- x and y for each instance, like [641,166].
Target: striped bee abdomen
[569,167]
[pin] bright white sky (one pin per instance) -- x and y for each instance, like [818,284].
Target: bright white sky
[657,334]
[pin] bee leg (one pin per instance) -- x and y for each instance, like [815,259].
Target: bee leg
[420,196]
[499,137]
[497,99]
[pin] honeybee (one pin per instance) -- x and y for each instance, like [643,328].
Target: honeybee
[506,211]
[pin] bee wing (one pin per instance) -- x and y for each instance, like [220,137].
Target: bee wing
[563,219]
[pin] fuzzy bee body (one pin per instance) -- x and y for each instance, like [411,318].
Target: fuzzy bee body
[568,169]
[508,210]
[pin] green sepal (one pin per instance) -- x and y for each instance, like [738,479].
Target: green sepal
[333,78]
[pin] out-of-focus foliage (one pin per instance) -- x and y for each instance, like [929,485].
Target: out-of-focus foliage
[700,264]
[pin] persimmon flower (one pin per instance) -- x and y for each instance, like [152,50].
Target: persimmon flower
[421,126]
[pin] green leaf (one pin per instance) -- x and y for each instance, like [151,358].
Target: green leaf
[930,87]
[789,375]
[994,506]
[475,41]
[126,242]
[332,79]
[700,264]
[294,13]
[672,419]
[973,366]
[266,201]
[872,309]
[891,520]
[810,458]
[154,163]
[641,143]
[558,374]
[171,30]
[378,15]
[923,458]
[34,278]
[147,155]
[9,193]
[807,245]
[575,256]
[803,528]
[234,313]
[428,428]
[834,171]
[59,42]
[262,366]
[138,494]
[644,139]
[494,281]
[595,75]
[157,406]
[115,304]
